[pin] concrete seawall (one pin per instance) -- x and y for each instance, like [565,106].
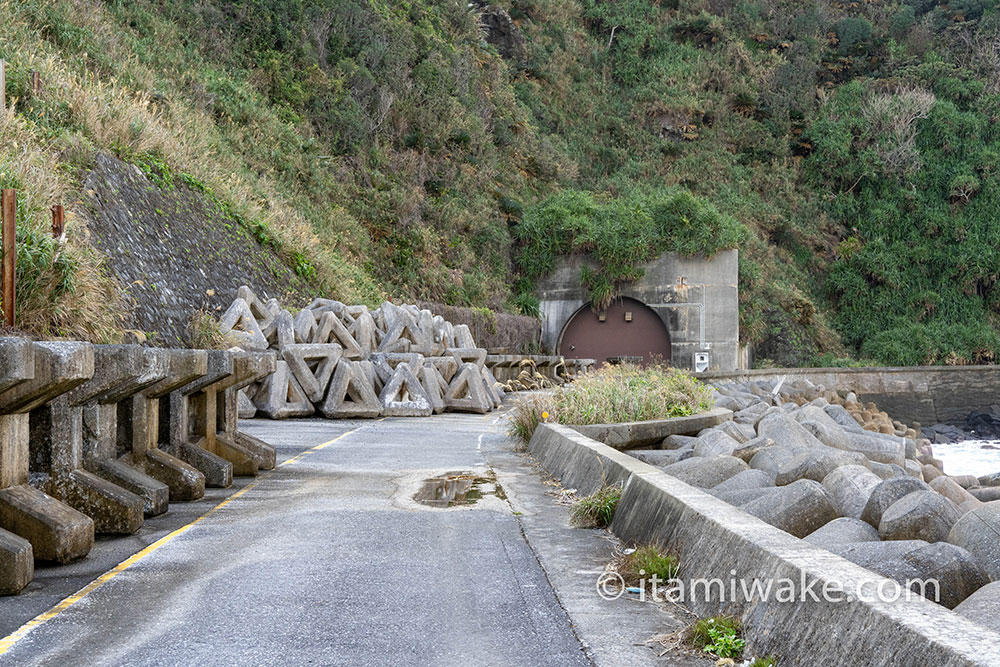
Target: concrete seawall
[927,394]
[715,540]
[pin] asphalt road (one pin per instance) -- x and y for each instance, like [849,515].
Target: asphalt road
[328,560]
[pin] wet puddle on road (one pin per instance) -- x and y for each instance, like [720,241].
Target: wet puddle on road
[458,488]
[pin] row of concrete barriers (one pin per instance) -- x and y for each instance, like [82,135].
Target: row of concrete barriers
[93,438]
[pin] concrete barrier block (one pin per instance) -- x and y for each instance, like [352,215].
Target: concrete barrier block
[244,462]
[798,508]
[706,472]
[313,366]
[59,367]
[57,533]
[218,471]
[850,487]
[466,392]
[183,481]
[17,361]
[404,396]
[154,494]
[331,330]
[282,396]
[17,563]
[263,453]
[983,606]
[114,510]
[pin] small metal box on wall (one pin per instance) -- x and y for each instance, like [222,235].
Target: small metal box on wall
[701,361]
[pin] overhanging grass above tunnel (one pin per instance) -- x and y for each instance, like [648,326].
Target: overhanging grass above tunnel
[621,233]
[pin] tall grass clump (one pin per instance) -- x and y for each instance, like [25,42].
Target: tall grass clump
[619,393]
[598,509]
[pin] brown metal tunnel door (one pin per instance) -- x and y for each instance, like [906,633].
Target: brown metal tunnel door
[639,340]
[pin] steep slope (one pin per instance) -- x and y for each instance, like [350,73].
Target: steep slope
[448,151]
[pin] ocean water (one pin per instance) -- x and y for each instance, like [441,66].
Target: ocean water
[972,457]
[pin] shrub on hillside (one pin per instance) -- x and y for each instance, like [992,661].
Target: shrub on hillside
[620,234]
[611,394]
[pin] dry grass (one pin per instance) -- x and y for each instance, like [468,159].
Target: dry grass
[613,394]
[69,293]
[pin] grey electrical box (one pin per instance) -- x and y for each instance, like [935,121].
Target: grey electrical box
[701,360]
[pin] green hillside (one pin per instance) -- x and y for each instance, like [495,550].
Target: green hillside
[449,151]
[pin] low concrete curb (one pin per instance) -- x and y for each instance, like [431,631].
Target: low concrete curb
[717,541]
[637,435]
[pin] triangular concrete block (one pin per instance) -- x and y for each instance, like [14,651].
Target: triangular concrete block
[462,336]
[351,393]
[434,386]
[282,396]
[493,382]
[240,324]
[332,330]
[446,366]
[258,308]
[281,331]
[363,330]
[305,326]
[405,336]
[464,355]
[467,392]
[490,386]
[313,365]
[404,396]
[244,406]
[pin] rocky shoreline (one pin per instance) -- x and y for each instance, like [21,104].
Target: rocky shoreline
[847,477]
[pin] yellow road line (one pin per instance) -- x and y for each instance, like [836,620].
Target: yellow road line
[10,640]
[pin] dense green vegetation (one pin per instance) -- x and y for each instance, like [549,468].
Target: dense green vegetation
[848,149]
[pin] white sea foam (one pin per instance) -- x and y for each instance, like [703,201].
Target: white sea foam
[969,457]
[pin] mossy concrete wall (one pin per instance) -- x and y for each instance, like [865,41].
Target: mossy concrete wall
[925,394]
[668,280]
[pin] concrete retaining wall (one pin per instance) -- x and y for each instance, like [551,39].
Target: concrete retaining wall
[927,394]
[715,540]
[668,279]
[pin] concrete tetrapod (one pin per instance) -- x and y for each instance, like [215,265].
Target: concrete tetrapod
[151,421]
[798,508]
[983,606]
[844,530]
[948,572]
[979,533]
[921,515]
[850,487]
[56,531]
[886,493]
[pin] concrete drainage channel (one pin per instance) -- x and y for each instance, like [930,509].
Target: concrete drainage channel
[716,541]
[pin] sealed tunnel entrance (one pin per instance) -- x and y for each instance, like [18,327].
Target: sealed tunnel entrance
[627,331]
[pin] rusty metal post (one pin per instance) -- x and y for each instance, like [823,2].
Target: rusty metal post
[8,204]
[3,87]
[58,221]
[36,84]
